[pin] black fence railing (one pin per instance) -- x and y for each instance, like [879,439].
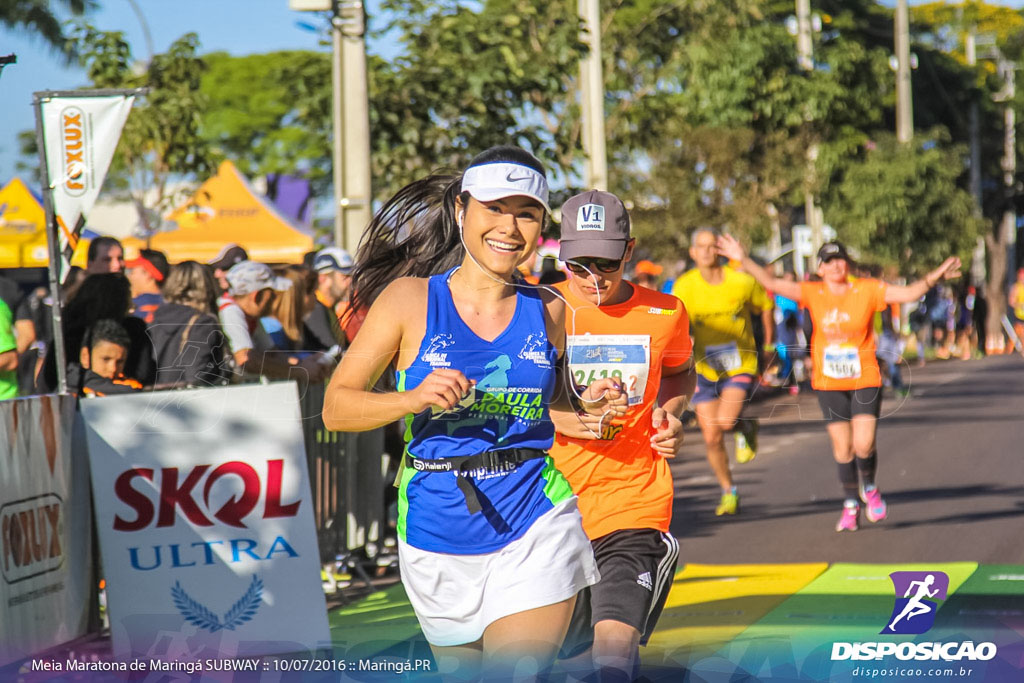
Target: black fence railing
[347,476]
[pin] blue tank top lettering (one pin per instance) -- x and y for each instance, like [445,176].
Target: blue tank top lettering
[515,376]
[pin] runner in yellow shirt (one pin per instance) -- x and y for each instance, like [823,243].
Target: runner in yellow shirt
[720,301]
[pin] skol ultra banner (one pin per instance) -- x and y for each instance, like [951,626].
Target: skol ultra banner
[45,532]
[80,135]
[204,515]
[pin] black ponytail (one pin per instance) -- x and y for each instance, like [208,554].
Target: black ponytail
[415,233]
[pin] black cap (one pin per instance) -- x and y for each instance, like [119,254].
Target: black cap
[832,250]
[229,256]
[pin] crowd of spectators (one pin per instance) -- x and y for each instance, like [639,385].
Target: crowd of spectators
[134,321]
[232,320]
[948,322]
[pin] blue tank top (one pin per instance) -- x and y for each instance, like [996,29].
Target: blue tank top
[515,377]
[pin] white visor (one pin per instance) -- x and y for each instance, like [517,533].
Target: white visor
[489,182]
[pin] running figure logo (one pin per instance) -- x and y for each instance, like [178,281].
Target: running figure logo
[914,613]
[434,353]
[533,350]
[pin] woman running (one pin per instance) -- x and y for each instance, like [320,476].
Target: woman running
[846,378]
[491,543]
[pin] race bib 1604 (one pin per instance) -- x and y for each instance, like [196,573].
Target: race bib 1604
[841,362]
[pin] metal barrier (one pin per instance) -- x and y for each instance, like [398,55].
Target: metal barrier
[347,474]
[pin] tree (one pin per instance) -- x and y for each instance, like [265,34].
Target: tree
[901,204]
[41,18]
[161,139]
[473,75]
[271,113]
[724,134]
[946,28]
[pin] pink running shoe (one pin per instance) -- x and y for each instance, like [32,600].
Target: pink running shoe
[848,522]
[876,508]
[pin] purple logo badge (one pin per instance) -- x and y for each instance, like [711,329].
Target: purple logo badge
[914,612]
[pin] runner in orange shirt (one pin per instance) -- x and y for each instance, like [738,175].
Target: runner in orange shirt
[846,376]
[619,470]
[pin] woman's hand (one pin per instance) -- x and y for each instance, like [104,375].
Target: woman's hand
[730,248]
[604,397]
[949,270]
[668,435]
[442,389]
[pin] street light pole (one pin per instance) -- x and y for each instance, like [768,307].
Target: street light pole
[805,58]
[350,111]
[1008,70]
[338,161]
[904,104]
[974,133]
[592,98]
[357,199]
[804,43]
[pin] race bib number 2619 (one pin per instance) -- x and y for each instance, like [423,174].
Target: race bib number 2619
[625,357]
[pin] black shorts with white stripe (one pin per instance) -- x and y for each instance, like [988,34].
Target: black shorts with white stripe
[637,567]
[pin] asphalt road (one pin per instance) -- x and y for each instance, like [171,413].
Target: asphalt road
[951,467]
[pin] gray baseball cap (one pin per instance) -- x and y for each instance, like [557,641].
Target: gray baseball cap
[331,259]
[594,224]
[246,277]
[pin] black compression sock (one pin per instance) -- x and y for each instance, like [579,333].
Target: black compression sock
[848,477]
[866,467]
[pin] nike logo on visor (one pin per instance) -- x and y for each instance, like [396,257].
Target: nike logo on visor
[512,178]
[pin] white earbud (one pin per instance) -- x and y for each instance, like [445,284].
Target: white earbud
[461,217]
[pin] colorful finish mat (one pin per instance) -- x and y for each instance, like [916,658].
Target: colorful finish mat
[783,623]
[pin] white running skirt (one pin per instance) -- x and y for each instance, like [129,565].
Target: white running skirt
[457,596]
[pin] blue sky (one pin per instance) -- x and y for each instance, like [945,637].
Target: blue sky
[236,26]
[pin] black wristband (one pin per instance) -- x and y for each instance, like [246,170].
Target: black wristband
[574,398]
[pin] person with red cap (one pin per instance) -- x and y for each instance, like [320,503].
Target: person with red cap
[147,271]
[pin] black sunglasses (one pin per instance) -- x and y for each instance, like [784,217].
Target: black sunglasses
[586,266]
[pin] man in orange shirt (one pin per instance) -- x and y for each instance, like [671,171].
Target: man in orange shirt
[845,376]
[619,469]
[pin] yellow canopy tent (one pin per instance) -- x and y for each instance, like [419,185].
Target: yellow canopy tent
[225,210]
[22,228]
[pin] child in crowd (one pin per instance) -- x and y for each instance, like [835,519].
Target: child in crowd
[102,359]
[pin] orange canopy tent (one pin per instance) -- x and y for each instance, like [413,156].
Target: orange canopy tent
[226,210]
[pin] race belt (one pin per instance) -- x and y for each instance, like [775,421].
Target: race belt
[464,466]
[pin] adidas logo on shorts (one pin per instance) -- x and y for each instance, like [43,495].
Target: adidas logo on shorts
[645,581]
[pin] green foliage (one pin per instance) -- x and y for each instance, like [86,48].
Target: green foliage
[900,204]
[708,117]
[161,140]
[946,24]
[473,75]
[271,113]
[725,134]
[41,18]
